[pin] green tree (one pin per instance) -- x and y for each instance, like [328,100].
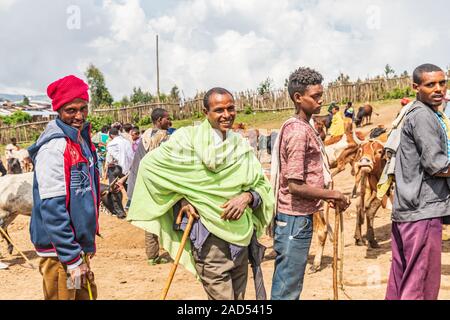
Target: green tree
[175,93]
[138,96]
[343,78]
[100,95]
[163,98]
[388,71]
[26,101]
[265,87]
[125,101]
[405,74]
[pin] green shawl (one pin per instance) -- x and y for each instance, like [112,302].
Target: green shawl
[191,166]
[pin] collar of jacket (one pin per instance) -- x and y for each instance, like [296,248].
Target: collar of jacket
[73,133]
[419,104]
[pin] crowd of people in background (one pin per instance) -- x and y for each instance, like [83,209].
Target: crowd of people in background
[120,149]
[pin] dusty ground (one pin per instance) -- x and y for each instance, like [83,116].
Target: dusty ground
[122,272]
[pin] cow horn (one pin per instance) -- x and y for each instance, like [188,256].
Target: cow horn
[113,184]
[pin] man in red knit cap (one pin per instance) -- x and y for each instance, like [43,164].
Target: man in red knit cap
[64,221]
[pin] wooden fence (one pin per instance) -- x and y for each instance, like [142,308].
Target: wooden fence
[134,113]
[277,100]
[27,132]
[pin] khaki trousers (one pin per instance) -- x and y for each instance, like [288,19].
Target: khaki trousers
[55,282]
[222,278]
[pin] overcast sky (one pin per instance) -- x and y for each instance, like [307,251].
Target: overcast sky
[204,43]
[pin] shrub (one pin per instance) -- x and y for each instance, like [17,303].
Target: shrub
[248,109]
[198,115]
[144,121]
[17,118]
[98,122]
[398,93]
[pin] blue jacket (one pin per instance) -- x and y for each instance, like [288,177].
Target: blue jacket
[64,219]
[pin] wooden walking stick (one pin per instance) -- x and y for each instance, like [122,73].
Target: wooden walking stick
[86,260]
[341,252]
[21,253]
[186,233]
[335,252]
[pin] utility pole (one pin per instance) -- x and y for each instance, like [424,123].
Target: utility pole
[157,66]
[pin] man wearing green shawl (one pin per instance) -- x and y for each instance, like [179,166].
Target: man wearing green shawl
[211,173]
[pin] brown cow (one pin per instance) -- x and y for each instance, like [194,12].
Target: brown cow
[343,151]
[321,229]
[364,113]
[320,127]
[369,167]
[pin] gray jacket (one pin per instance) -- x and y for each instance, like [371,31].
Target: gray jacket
[421,155]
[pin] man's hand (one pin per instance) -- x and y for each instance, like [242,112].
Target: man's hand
[339,200]
[188,209]
[78,276]
[234,208]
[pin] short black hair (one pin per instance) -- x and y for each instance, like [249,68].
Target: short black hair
[336,107]
[127,127]
[424,68]
[114,132]
[157,114]
[216,90]
[136,130]
[117,125]
[105,129]
[13,140]
[301,79]
[350,103]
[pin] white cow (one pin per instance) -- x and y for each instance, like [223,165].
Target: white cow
[16,197]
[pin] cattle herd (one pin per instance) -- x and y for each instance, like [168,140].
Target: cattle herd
[364,154]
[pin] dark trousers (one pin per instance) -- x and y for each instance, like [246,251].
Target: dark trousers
[416,260]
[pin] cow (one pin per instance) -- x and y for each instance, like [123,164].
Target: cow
[112,199]
[325,120]
[320,127]
[364,113]
[321,230]
[14,166]
[369,167]
[16,198]
[3,170]
[19,161]
[342,150]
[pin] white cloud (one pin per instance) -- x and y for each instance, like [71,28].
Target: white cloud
[232,43]
[6,4]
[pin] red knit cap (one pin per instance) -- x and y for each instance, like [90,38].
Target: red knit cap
[66,90]
[405,101]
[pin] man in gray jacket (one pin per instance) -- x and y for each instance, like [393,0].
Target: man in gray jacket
[422,192]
